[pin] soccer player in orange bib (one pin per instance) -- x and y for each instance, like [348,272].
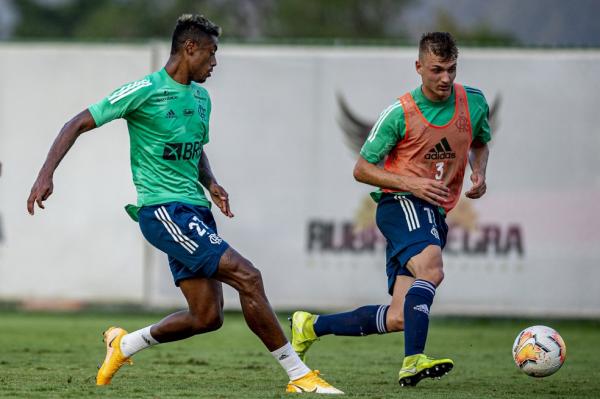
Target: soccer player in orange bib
[425,140]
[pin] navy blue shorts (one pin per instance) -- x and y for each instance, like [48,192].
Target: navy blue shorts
[187,234]
[409,225]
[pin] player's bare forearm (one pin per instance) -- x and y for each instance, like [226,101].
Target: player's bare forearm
[218,194]
[205,175]
[368,173]
[478,158]
[433,191]
[43,185]
[79,124]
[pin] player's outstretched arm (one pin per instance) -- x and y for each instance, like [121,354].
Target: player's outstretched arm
[478,158]
[430,190]
[43,186]
[218,194]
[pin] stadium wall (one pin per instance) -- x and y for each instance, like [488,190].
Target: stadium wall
[281,144]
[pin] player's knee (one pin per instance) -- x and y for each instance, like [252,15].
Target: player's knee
[249,276]
[209,321]
[433,272]
[435,276]
[253,278]
[394,322]
[215,322]
[438,277]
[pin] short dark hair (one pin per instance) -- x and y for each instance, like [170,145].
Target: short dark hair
[441,44]
[192,27]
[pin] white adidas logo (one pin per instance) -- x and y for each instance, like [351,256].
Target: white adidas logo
[422,308]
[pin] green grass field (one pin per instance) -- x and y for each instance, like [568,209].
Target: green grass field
[55,355]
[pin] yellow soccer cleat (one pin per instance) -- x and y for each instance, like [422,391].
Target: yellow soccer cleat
[311,382]
[114,357]
[416,367]
[303,333]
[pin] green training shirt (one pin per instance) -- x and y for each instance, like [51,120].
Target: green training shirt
[391,126]
[168,127]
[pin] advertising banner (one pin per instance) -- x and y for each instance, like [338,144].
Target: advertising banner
[286,128]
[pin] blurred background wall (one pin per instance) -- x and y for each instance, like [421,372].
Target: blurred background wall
[296,81]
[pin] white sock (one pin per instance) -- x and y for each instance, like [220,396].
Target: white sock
[134,342]
[290,361]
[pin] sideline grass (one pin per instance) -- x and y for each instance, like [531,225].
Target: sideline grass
[55,356]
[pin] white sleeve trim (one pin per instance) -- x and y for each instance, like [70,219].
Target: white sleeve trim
[382,117]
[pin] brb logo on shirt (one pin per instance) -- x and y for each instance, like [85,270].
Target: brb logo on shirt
[181,151]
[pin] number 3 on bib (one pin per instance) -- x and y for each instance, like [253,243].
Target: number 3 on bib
[440,170]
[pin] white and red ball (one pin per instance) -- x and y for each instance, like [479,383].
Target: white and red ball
[539,351]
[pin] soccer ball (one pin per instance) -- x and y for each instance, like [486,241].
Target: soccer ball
[539,351]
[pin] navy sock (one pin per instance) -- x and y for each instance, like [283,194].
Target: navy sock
[362,321]
[416,316]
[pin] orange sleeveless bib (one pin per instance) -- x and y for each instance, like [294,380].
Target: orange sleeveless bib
[435,152]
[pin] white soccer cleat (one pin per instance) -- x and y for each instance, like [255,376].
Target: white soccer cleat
[311,382]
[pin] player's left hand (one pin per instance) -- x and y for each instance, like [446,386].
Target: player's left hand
[220,198]
[479,186]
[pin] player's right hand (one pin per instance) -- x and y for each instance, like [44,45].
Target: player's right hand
[433,191]
[41,190]
[221,198]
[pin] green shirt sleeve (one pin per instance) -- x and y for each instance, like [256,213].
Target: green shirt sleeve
[120,102]
[206,137]
[205,109]
[385,134]
[480,113]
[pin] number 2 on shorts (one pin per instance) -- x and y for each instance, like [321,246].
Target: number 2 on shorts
[194,225]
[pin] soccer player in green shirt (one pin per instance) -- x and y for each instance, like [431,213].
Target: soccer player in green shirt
[424,140]
[167,115]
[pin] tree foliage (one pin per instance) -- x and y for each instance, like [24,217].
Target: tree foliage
[241,20]
[479,35]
